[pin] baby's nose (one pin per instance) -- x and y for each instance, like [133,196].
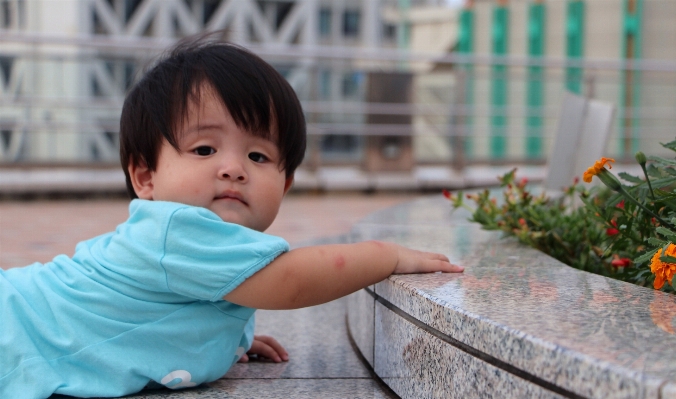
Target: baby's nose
[233,170]
[234,176]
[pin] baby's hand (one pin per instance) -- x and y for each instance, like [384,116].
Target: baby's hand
[412,261]
[267,347]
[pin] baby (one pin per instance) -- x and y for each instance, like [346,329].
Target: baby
[209,142]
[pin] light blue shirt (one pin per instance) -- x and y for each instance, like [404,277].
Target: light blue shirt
[136,306]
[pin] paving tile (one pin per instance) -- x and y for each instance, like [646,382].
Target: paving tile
[36,231]
[316,339]
[278,389]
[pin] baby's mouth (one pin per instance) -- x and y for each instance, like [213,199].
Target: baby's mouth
[232,196]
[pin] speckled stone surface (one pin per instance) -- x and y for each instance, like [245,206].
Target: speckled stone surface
[275,389]
[418,365]
[316,339]
[592,336]
[322,362]
[360,320]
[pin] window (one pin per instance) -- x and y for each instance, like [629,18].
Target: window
[325,22]
[6,64]
[325,84]
[389,32]
[351,23]
[352,83]
[339,143]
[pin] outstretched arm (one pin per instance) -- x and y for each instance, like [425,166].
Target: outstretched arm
[314,275]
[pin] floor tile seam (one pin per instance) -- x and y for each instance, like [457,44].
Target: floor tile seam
[412,225]
[490,359]
[372,373]
[298,378]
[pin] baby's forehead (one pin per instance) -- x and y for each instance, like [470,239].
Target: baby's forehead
[205,110]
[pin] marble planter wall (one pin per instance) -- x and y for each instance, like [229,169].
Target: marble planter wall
[416,364]
[516,323]
[361,322]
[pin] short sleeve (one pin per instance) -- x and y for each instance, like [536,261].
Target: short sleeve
[206,258]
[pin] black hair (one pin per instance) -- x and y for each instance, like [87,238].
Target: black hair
[254,93]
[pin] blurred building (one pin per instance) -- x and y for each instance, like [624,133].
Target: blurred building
[399,82]
[65,64]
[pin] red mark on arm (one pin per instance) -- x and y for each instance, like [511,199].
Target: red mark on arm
[339,261]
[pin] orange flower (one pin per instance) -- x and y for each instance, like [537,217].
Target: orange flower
[663,271]
[598,167]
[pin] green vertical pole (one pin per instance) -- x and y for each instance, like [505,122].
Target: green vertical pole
[535,90]
[466,47]
[499,82]
[575,43]
[630,88]
[404,28]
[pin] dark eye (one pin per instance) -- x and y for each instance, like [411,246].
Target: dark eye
[204,151]
[257,157]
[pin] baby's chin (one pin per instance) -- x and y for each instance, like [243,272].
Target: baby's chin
[229,217]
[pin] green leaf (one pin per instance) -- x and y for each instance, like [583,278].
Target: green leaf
[660,181]
[670,145]
[668,259]
[630,178]
[666,232]
[653,171]
[656,241]
[663,161]
[670,203]
[645,257]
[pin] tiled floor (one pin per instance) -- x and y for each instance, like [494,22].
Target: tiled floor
[36,231]
[322,362]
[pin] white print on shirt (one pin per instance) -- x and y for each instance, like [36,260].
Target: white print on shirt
[183,375]
[240,352]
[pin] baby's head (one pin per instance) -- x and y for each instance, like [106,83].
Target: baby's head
[213,125]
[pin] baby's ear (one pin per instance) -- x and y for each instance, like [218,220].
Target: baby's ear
[141,179]
[288,184]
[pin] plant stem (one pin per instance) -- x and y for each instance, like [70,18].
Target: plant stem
[611,181]
[650,186]
[630,198]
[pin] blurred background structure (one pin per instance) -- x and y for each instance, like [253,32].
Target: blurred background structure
[398,93]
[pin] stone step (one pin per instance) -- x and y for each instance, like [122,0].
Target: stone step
[515,324]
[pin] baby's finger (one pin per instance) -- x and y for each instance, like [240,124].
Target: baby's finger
[436,265]
[447,267]
[434,255]
[265,350]
[262,349]
[274,344]
[243,359]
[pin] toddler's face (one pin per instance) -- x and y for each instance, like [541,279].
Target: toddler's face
[220,167]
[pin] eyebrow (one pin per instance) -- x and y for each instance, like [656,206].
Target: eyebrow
[199,127]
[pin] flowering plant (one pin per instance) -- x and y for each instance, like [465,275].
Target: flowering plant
[620,230]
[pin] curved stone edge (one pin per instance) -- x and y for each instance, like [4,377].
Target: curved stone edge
[619,382]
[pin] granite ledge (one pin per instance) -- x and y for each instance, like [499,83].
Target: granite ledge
[586,335]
